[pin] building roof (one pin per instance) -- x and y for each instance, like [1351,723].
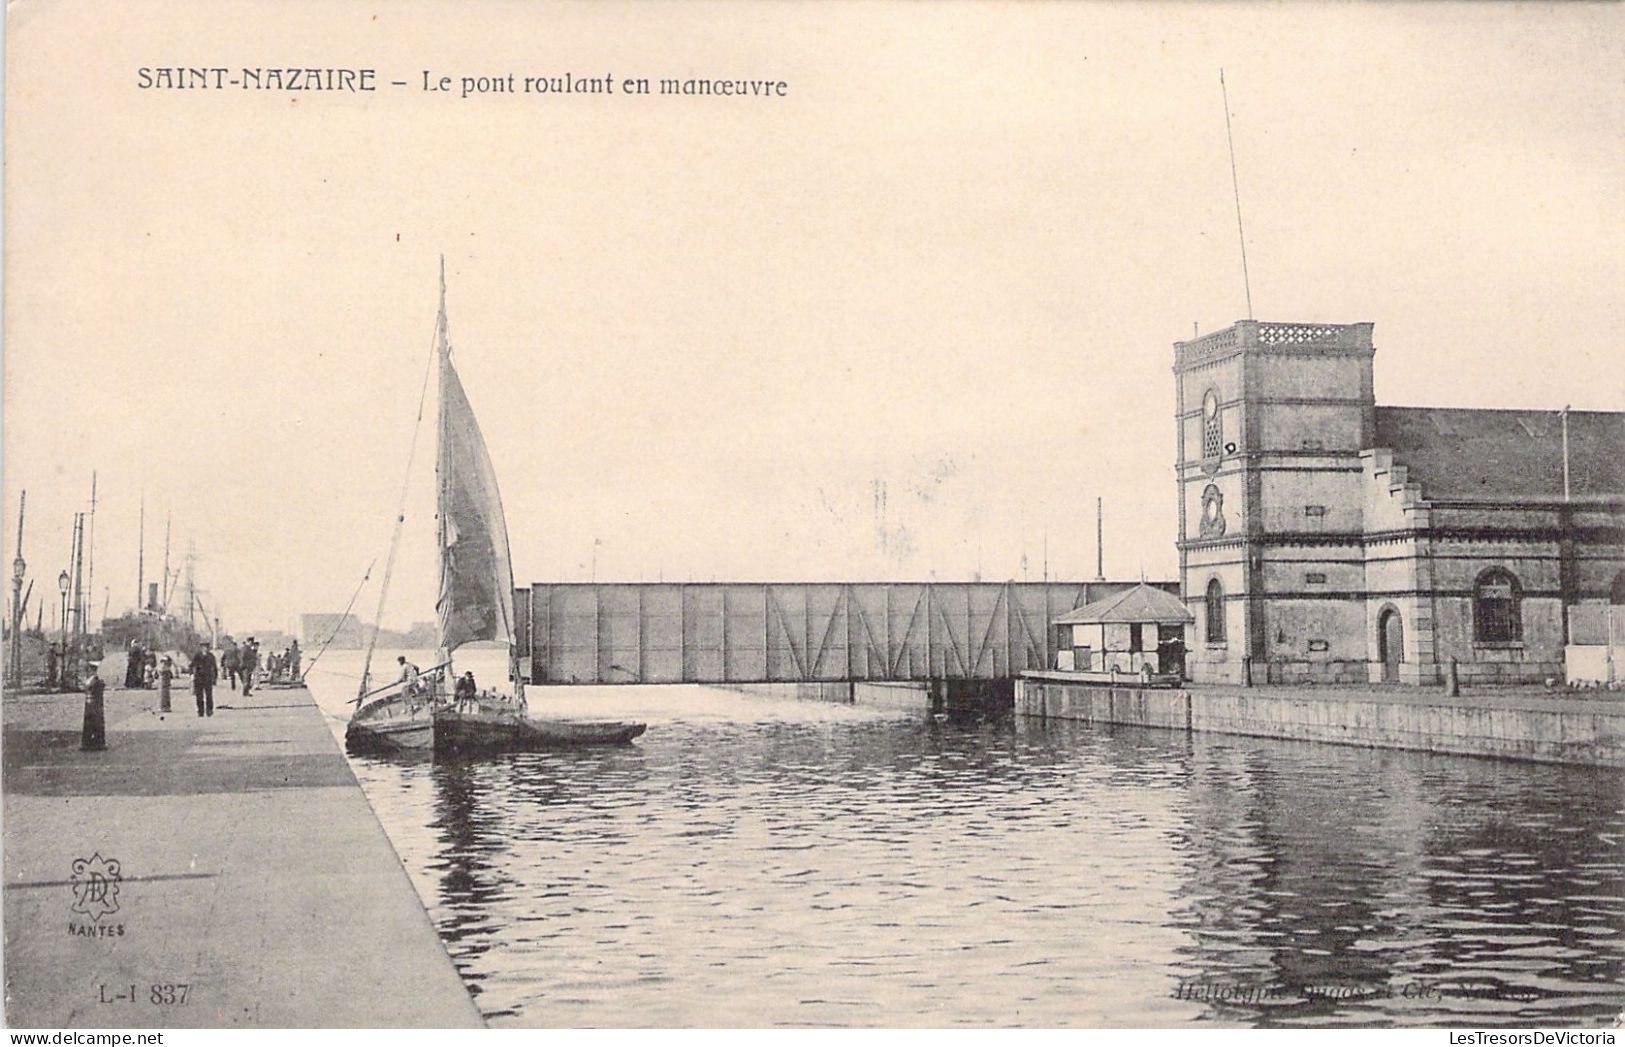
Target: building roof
[1139,604]
[1469,453]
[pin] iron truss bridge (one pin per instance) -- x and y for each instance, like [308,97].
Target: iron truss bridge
[763,632]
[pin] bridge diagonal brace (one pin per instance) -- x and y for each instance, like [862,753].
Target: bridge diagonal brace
[987,637]
[1037,649]
[875,649]
[948,627]
[789,639]
[908,633]
[823,645]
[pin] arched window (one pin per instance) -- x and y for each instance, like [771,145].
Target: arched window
[1212,426]
[1497,617]
[1215,612]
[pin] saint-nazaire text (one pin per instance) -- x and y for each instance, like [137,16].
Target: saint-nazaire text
[256,78]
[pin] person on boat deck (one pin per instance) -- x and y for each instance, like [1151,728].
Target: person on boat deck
[410,674]
[467,691]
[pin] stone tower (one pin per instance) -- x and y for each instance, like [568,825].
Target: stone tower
[1272,418]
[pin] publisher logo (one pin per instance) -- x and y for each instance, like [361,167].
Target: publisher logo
[95,886]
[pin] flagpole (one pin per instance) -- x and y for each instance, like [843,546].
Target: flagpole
[1235,186]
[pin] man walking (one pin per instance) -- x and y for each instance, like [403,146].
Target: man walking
[204,673]
[228,662]
[248,660]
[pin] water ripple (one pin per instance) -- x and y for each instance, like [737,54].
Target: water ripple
[758,863]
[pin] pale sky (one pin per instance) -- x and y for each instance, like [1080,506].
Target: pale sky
[955,257]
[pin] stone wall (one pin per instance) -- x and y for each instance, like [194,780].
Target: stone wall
[1555,730]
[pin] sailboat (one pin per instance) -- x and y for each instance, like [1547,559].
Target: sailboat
[419,712]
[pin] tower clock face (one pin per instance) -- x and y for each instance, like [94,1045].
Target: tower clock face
[1210,406]
[1211,524]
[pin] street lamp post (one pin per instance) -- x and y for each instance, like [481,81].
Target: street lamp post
[19,567]
[62,583]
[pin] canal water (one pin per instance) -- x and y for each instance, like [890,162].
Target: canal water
[760,862]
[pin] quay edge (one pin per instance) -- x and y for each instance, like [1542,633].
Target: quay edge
[1517,726]
[253,870]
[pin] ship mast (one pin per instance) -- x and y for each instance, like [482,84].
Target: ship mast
[442,467]
[141,556]
[400,511]
[90,566]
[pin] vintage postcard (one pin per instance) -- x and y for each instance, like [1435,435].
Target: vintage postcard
[833,515]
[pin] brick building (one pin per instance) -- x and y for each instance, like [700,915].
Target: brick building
[1325,538]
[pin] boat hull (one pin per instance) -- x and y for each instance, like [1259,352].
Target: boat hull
[391,725]
[395,725]
[415,734]
[459,733]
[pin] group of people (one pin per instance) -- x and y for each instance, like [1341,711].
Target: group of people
[239,664]
[283,666]
[140,666]
[414,684]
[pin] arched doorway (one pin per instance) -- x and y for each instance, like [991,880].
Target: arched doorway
[1390,643]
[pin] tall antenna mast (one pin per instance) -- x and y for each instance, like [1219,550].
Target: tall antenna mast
[1235,186]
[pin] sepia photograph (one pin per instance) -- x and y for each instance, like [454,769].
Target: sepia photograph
[993,515]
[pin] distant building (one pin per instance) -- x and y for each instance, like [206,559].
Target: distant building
[1325,538]
[422,636]
[344,629]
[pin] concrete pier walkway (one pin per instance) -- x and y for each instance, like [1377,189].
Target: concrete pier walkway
[250,869]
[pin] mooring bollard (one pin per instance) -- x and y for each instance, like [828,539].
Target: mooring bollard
[93,737]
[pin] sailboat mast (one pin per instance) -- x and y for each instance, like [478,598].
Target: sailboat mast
[406,481]
[442,467]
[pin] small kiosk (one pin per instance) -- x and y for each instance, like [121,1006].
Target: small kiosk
[1136,633]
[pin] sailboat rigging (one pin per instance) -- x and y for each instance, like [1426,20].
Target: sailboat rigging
[475,603]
